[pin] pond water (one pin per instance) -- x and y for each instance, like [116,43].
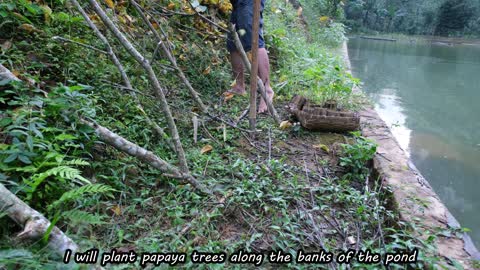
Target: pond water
[429,94]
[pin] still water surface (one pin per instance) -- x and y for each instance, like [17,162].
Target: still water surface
[430,95]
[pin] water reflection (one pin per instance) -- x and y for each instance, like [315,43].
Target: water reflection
[430,94]
[389,108]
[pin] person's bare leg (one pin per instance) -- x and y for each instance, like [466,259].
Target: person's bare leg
[264,74]
[237,67]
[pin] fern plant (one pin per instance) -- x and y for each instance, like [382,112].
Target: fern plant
[45,152]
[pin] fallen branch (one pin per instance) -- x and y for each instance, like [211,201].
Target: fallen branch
[143,155]
[5,74]
[261,86]
[126,81]
[34,224]
[159,92]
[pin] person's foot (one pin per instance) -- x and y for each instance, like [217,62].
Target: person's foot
[237,91]
[262,108]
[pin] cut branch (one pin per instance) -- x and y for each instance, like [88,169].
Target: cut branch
[34,224]
[252,116]
[159,92]
[126,81]
[261,86]
[162,43]
[142,154]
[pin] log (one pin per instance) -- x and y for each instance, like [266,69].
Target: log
[34,224]
[315,117]
[379,38]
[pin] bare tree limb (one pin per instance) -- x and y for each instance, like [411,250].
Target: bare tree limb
[261,86]
[5,74]
[161,42]
[143,155]
[34,224]
[79,44]
[126,81]
[159,92]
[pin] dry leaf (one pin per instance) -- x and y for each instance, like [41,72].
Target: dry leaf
[322,146]
[285,125]
[206,71]
[110,4]
[207,148]
[117,210]
[6,45]
[171,6]
[233,83]
[47,13]
[228,96]
[28,27]
[351,240]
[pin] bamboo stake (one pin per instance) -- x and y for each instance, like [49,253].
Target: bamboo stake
[159,92]
[126,81]
[261,86]
[252,117]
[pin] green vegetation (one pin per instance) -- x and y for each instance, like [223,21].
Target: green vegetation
[271,196]
[439,17]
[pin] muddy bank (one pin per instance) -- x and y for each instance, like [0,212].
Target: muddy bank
[413,196]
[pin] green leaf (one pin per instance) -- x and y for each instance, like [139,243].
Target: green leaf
[24,159]
[11,158]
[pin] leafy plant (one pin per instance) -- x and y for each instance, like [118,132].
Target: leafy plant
[356,156]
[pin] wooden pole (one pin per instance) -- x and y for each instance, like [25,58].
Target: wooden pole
[253,75]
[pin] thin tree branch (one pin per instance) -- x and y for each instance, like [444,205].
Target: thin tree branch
[126,81]
[143,154]
[159,92]
[170,56]
[80,44]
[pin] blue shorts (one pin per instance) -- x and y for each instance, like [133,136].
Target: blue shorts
[242,17]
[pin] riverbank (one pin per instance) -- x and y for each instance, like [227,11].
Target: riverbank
[446,41]
[413,197]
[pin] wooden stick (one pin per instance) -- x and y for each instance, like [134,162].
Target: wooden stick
[252,116]
[142,154]
[159,92]
[261,86]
